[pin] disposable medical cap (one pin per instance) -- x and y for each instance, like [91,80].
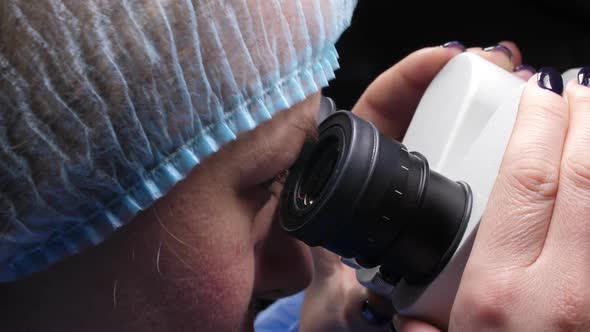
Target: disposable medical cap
[106,104]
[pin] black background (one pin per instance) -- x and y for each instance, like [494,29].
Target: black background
[549,33]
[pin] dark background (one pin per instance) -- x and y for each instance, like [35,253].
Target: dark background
[549,33]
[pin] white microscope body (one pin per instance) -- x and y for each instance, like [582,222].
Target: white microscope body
[462,126]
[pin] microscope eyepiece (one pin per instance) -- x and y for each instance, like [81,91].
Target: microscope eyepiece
[363,195]
[315,176]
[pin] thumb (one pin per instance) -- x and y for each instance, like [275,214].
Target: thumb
[390,101]
[403,324]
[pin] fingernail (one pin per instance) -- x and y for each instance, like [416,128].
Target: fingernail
[500,48]
[550,79]
[584,76]
[454,44]
[525,67]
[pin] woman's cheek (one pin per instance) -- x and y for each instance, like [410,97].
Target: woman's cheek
[207,249]
[224,294]
[214,279]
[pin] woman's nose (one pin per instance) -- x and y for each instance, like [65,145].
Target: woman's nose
[284,265]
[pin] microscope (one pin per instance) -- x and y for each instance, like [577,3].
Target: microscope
[405,214]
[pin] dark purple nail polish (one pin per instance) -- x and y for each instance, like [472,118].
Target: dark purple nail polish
[500,48]
[584,76]
[454,44]
[550,79]
[525,67]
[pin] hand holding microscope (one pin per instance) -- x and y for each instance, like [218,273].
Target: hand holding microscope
[405,214]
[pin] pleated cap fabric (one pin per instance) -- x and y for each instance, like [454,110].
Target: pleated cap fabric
[106,104]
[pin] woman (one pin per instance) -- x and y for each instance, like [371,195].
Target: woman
[153,119]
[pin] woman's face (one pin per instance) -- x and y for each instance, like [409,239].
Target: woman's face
[199,256]
[221,243]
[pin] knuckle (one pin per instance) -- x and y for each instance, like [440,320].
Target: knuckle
[485,315]
[576,170]
[485,304]
[533,178]
[572,310]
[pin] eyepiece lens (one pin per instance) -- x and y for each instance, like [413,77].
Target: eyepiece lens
[317,173]
[362,195]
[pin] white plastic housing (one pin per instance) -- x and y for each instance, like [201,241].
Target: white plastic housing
[462,125]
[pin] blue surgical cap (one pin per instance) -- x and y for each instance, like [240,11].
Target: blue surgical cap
[106,104]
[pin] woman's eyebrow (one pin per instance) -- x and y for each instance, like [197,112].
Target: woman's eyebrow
[307,126]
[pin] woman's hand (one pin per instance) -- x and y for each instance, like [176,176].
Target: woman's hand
[390,101]
[333,301]
[529,269]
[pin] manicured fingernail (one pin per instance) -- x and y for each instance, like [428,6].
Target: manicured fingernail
[454,44]
[584,76]
[550,79]
[525,67]
[500,48]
